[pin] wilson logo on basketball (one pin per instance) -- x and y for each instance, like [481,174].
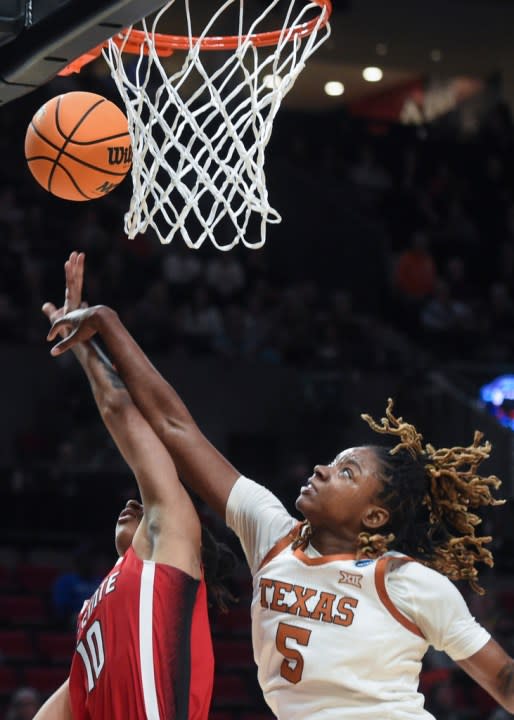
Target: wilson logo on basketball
[120,155]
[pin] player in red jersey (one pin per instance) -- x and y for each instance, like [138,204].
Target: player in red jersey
[143,639]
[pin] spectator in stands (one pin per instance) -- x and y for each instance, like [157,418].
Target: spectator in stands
[500,323]
[458,233]
[154,303]
[181,269]
[504,270]
[296,316]
[368,171]
[457,276]
[447,322]
[225,277]
[415,272]
[201,321]
[238,338]
[23,705]
[329,351]
[444,702]
[71,588]
[414,278]
[500,714]
[440,315]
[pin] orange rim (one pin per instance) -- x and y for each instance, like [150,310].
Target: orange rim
[166,44]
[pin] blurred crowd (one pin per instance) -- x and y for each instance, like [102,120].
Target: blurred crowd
[400,227]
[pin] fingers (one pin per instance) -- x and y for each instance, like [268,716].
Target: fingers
[76,262]
[62,346]
[69,268]
[60,324]
[49,309]
[59,327]
[74,273]
[51,312]
[79,276]
[76,258]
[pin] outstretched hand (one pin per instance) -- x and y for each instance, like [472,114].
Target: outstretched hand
[77,326]
[74,273]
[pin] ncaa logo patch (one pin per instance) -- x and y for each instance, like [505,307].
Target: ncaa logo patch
[363,563]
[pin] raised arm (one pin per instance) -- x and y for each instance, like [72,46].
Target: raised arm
[170,522]
[200,465]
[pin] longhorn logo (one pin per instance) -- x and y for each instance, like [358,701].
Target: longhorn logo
[348,578]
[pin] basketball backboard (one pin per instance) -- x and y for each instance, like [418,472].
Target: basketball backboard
[38,38]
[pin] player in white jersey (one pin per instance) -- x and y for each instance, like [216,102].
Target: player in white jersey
[347,601]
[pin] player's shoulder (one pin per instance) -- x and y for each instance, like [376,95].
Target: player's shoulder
[253,498]
[416,573]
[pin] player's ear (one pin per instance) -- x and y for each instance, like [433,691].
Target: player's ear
[375,517]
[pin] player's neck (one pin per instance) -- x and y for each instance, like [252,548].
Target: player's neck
[326,543]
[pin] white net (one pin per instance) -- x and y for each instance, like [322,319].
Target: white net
[199,135]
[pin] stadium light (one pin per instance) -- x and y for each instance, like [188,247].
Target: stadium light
[334,88]
[372,74]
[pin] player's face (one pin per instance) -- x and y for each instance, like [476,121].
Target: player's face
[342,497]
[128,522]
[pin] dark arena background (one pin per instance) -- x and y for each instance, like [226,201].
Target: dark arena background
[391,275]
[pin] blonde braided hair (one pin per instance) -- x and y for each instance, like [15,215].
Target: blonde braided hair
[453,488]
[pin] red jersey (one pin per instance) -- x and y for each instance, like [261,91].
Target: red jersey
[144,648]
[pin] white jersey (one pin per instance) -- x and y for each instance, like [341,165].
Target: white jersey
[328,639]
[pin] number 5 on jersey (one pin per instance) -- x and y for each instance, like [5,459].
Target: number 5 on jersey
[93,655]
[292,666]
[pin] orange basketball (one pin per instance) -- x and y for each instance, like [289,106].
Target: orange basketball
[78,146]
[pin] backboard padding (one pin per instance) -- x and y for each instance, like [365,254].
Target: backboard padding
[39,52]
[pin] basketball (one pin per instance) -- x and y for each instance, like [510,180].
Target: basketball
[78,147]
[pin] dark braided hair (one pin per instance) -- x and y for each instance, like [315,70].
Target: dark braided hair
[430,495]
[219,564]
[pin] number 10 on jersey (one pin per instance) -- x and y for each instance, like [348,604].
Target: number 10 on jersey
[92,653]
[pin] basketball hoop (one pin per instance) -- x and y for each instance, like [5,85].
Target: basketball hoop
[198,152]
